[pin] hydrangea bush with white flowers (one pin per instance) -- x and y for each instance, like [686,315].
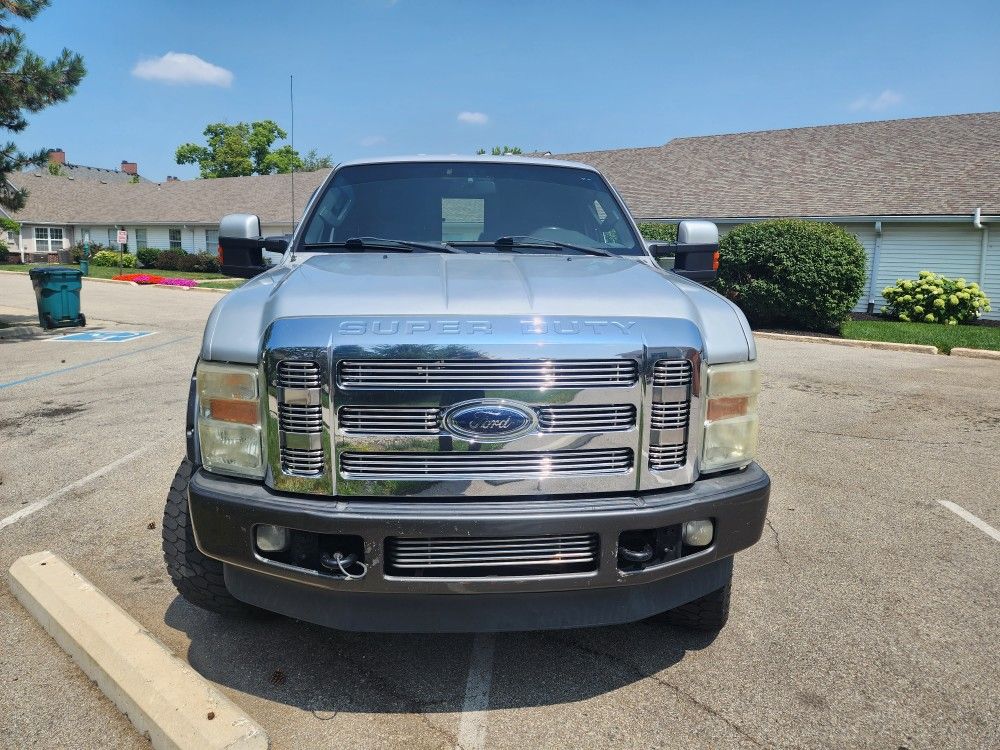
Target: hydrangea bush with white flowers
[932,298]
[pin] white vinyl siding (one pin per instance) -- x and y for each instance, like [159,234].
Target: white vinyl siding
[991,277]
[866,236]
[907,249]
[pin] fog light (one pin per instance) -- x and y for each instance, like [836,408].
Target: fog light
[271,538]
[698,533]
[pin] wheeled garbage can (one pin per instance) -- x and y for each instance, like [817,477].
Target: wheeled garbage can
[57,293]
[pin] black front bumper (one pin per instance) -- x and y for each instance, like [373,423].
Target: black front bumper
[224,512]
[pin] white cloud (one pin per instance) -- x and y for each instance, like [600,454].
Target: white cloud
[180,67]
[880,103]
[473,118]
[372,140]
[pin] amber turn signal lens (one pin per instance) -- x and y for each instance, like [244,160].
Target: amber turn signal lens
[715,261]
[727,407]
[231,410]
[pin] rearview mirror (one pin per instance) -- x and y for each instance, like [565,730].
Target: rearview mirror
[696,252]
[241,248]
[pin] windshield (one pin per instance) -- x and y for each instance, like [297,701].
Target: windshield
[472,205]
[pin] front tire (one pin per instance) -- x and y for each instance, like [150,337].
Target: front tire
[197,578]
[708,613]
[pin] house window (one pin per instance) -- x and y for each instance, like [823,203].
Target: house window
[175,239]
[211,240]
[140,237]
[48,239]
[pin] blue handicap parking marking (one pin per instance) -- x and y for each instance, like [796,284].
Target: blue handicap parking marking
[104,337]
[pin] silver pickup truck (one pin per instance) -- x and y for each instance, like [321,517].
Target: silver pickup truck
[469,397]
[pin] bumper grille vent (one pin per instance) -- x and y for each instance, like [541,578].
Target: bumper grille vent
[671,372]
[479,374]
[485,465]
[493,556]
[296,374]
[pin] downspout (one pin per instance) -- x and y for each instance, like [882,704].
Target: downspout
[984,242]
[873,277]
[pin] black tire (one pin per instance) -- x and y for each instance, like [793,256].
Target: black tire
[82,320]
[48,322]
[709,613]
[197,578]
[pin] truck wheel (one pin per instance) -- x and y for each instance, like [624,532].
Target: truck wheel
[710,612]
[198,578]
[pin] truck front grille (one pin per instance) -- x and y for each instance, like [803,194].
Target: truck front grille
[672,372]
[454,557]
[484,465]
[302,462]
[666,457]
[481,374]
[585,418]
[300,417]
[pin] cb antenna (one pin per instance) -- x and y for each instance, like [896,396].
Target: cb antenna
[291,102]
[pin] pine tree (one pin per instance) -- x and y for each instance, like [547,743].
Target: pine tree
[27,84]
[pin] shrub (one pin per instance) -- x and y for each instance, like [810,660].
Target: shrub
[658,232]
[169,260]
[76,252]
[788,272]
[139,278]
[935,299]
[204,262]
[147,256]
[110,258]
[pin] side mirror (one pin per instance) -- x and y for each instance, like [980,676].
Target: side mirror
[696,252]
[241,248]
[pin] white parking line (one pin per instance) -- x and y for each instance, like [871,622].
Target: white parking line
[979,523]
[472,727]
[36,506]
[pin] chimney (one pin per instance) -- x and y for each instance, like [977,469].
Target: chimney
[57,155]
[130,167]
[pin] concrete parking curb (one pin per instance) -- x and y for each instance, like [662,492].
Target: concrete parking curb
[859,343]
[975,353]
[162,695]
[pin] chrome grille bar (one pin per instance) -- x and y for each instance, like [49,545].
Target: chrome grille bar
[300,419]
[458,374]
[480,465]
[302,462]
[401,420]
[664,457]
[540,554]
[298,374]
[585,418]
[671,372]
[396,420]
[669,416]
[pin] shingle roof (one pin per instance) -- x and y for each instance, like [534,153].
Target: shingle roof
[922,166]
[57,200]
[83,172]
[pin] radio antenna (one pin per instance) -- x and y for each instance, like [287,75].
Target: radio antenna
[291,101]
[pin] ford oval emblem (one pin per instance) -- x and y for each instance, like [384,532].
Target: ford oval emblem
[489,420]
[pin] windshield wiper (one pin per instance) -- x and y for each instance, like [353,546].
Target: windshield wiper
[381,243]
[510,242]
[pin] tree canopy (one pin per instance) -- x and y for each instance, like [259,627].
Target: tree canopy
[246,149]
[501,151]
[27,84]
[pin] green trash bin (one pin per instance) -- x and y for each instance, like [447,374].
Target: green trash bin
[57,292]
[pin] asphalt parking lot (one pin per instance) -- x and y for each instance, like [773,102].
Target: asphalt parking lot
[867,616]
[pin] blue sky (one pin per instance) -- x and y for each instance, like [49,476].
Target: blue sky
[382,77]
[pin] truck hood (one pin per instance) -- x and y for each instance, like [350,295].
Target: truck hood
[473,285]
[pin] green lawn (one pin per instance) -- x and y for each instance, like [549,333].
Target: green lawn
[223,284]
[105,272]
[942,336]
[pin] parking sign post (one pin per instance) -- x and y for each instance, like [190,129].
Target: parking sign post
[122,241]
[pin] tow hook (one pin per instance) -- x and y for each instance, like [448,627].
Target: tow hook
[339,562]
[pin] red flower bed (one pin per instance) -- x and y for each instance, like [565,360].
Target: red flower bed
[139,278]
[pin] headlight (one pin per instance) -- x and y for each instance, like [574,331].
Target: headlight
[229,424]
[730,416]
